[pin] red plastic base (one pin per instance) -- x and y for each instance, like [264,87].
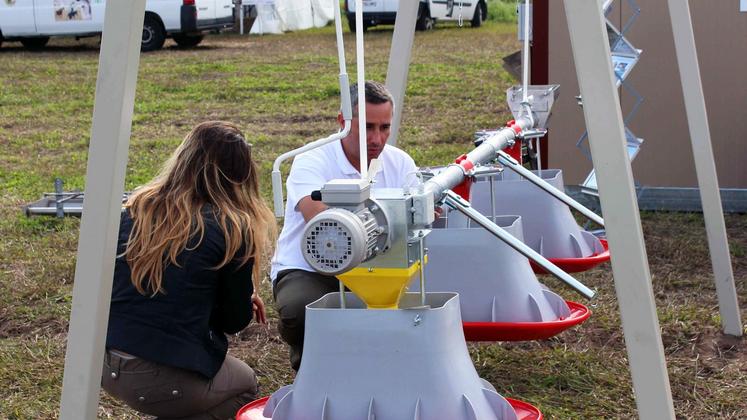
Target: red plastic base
[525,331]
[253,410]
[577,265]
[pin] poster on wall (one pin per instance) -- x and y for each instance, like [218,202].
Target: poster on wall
[65,10]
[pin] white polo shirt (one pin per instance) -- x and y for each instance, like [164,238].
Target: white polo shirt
[310,171]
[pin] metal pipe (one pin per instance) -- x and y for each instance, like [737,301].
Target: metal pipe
[525,60]
[347,115]
[454,174]
[422,270]
[512,164]
[277,180]
[361,67]
[492,197]
[454,201]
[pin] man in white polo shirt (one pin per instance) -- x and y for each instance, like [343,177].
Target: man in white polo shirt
[295,283]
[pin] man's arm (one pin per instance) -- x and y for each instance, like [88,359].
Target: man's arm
[310,208]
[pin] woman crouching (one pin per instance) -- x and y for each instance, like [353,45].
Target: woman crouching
[190,248]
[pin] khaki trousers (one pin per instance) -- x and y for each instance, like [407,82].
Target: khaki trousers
[293,290]
[172,393]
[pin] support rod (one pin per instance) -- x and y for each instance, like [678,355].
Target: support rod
[346,110]
[277,179]
[506,160]
[399,61]
[361,73]
[454,201]
[705,168]
[105,174]
[591,53]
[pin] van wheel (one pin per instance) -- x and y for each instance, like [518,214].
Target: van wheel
[481,12]
[35,43]
[351,23]
[153,34]
[186,41]
[424,22]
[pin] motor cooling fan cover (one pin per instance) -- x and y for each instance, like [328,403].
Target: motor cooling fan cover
[336,241]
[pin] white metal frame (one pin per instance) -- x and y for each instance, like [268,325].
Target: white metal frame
[399,61]
[705,167]
[110,133]
[635,296]
[107,161]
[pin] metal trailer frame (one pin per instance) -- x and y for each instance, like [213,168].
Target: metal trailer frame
[112,119]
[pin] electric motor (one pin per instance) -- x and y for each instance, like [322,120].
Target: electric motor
[338,240]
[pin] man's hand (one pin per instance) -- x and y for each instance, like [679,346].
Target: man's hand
[438,210]
[258,307]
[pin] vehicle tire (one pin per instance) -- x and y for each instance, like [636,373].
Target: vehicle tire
[187,41]
[481,13]
[424,22]
[153,34]
[35,43]
[351,23]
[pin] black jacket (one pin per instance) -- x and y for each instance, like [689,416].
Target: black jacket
[184,327]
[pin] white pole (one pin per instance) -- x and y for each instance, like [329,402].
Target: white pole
[361,66]
[107,160]
[525,59]
[399,61]
[705,168]
[617,195]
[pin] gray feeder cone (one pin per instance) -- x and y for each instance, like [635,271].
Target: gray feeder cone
[549,226]
[495,283]
[386,364]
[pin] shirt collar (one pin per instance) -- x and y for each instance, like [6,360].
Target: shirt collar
[345,166]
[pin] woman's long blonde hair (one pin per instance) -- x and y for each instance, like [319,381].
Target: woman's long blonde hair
[211,170]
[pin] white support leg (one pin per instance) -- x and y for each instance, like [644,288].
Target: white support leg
[617,195]
[705,168]
[399,60]
[107,160]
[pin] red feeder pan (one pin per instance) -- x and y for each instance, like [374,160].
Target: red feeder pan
[253,410]
[577,265]
[525,331]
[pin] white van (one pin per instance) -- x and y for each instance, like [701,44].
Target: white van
[378,12]
[33,21]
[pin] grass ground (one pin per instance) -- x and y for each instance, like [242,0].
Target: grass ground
[282,91]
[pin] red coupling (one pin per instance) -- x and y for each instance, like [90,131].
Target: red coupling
[464,188]
[515,151]
[465,163]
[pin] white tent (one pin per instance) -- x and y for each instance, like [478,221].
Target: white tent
[278,16]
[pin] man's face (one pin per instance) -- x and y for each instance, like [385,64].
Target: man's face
[378,124]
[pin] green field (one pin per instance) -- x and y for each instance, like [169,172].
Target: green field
[282,91]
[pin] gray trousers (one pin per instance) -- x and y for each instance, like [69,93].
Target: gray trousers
[293,290]
[172,393]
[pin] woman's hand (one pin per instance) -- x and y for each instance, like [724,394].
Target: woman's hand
[258,307]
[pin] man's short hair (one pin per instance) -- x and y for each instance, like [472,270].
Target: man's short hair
[376,93]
